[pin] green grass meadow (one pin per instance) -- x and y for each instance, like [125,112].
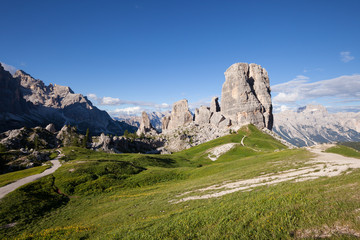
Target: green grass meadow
[95,195]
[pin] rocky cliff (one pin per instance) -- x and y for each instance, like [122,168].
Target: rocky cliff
[26,101]
[245,96]
[313,124]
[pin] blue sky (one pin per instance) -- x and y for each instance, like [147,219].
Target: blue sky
[137,55]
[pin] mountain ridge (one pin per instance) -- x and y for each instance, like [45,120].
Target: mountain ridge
[313,124]
[37,104]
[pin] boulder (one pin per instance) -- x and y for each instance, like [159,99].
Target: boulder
[225,123]
[103,143]
[51,128]
[64,131]
[202,115]
[245,96]
[216,118]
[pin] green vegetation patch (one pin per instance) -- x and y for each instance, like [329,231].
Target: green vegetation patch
[354,145]
[256,142]
[28,203]
[93,176]
[345,151]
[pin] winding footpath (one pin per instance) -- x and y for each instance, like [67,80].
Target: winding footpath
[12,186]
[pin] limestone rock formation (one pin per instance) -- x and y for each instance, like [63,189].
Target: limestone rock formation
[180,116]
[214,106]
[202,115]
[145,125]
[245,96]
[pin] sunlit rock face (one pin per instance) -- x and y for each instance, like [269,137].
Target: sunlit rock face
[246,97]
[180,116]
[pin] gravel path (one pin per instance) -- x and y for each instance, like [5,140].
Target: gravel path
[216,152]
[325,165]
[12,186]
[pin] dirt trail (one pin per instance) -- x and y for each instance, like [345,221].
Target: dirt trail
[216,152]
[325,164]
[12,186]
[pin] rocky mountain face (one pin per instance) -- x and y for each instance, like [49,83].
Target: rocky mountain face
[245,96]
[11,97]
[245,99]
[29,102]
[313,124]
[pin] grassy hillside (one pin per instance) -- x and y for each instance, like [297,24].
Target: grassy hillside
[354,145]
[132,196]
[344,150]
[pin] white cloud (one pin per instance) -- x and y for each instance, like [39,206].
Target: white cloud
[92,96]
[132,107]
[9,68]
[280,108]
[346,57]
[300,91]
[110,101]
[287,97]
[126,111]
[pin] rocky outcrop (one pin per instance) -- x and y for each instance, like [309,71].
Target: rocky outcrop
[29,102]
[145,125]
[29,138]
[313,125]
[216,118]
[202,115]
[191,135]
[125,145]
[51,128]
[245,99]
[214,105]
[180,116]
[245,96]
